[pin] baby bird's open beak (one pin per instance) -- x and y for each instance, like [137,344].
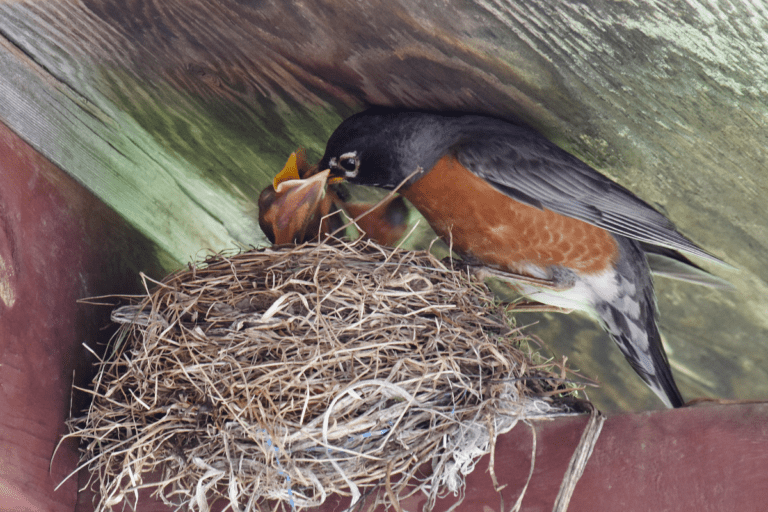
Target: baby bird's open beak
[291,208]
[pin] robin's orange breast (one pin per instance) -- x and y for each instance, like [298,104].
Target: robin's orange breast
[484,223]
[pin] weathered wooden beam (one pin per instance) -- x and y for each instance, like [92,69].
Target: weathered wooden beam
[175,114]
[58,244]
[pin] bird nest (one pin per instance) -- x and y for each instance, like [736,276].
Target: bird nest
[292,373]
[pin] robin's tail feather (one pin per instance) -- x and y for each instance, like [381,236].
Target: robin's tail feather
[640,342]
[631,320]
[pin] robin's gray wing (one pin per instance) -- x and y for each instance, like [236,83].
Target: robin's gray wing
[673,265]
[532,170]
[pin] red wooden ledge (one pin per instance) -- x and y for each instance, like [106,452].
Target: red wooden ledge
[58,244]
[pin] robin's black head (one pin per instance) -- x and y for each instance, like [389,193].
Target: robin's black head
[382,147]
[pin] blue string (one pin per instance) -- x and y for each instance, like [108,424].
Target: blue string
[280,469]
[370,434]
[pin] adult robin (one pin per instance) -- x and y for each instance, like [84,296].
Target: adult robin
[504,196]
[298,207]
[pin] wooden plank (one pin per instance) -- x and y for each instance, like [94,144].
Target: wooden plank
[175,113]
[169,198]
[706,459]
[117,160]
[58,244]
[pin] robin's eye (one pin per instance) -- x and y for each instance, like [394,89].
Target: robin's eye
[348,162]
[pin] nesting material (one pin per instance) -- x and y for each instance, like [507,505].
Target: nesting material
[292,373]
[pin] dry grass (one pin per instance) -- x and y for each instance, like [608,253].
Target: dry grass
[293,373]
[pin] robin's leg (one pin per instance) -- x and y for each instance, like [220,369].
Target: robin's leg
[512,277]
[512,281]
[483,272]
[535,307]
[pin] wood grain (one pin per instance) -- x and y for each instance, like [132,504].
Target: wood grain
[176,113]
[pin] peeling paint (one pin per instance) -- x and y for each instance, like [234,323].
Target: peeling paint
[7,287]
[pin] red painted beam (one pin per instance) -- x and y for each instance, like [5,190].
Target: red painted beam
[710,458]
[58,244]
[40,259]
[707,458]
[699,459]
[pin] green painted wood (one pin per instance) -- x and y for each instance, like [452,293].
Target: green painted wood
[118,161]
[184,171]
[176,113]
